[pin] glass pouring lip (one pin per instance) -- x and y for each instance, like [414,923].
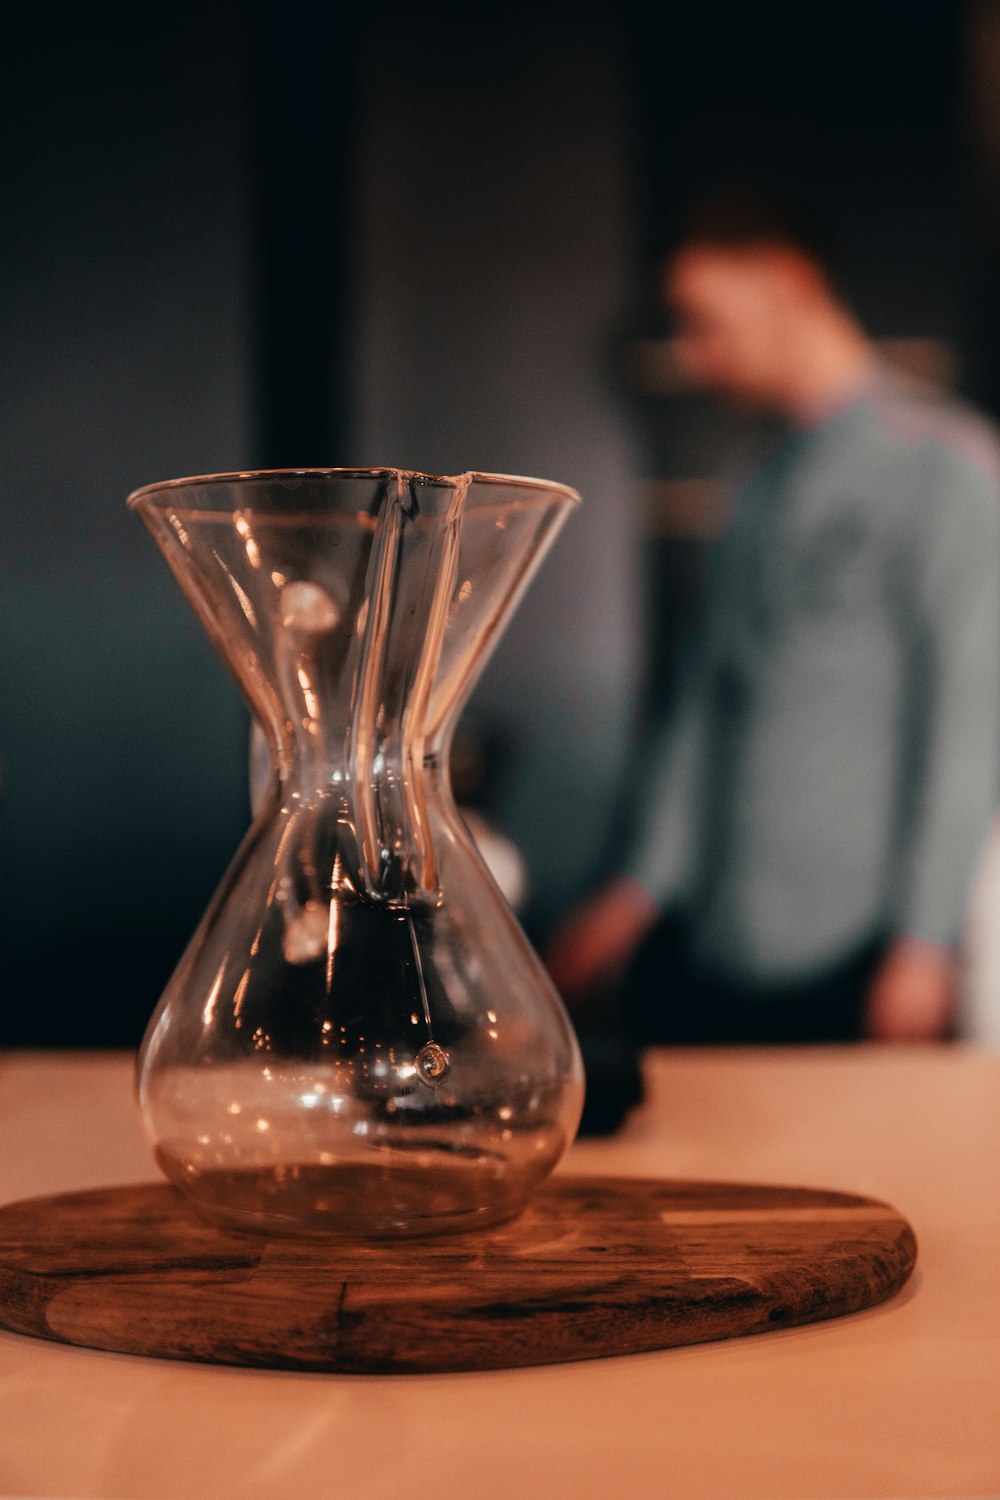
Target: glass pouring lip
[151,494]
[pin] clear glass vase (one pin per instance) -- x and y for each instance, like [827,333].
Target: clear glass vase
[359,1038]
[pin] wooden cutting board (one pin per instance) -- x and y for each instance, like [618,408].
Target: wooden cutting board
[594,1266]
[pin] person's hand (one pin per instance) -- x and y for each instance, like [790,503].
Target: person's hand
[592,947]
[913,996]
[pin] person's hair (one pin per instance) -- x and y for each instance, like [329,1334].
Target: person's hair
[745,216]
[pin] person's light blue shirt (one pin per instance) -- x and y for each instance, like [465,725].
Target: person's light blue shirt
[832,764]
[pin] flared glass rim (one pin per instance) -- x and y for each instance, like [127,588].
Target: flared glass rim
[162,491]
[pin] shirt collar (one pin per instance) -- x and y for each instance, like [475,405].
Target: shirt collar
[875,382]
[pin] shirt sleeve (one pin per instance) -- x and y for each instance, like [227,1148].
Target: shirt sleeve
[662,803]
[951,728]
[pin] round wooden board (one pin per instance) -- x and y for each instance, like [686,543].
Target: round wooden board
[594,1266]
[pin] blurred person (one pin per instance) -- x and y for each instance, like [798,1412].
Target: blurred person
[810,815]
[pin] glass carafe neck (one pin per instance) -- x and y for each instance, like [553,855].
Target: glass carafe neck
[352,736]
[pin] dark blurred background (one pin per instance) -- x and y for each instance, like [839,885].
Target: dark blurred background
[291,234]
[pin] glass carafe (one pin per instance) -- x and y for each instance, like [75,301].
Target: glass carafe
[359,1038]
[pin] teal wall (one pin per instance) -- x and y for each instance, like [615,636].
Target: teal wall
[495,273]
[483,292]
[125,358]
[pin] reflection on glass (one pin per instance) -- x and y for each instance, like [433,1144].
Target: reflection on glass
[358,1039]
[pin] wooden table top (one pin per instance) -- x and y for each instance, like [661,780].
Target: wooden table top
[899,1401]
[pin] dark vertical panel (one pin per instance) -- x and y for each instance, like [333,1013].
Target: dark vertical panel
[981,75]
[306,86]
[123,359]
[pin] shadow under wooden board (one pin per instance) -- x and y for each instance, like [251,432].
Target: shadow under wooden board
[594,1266]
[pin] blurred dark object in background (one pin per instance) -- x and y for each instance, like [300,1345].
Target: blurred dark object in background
[612,1065]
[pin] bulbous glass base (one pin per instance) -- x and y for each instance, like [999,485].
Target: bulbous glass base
[388,1196]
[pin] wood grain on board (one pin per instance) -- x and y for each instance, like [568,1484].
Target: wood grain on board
[593,1266]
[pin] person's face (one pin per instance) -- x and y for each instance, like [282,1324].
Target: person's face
[732,309]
